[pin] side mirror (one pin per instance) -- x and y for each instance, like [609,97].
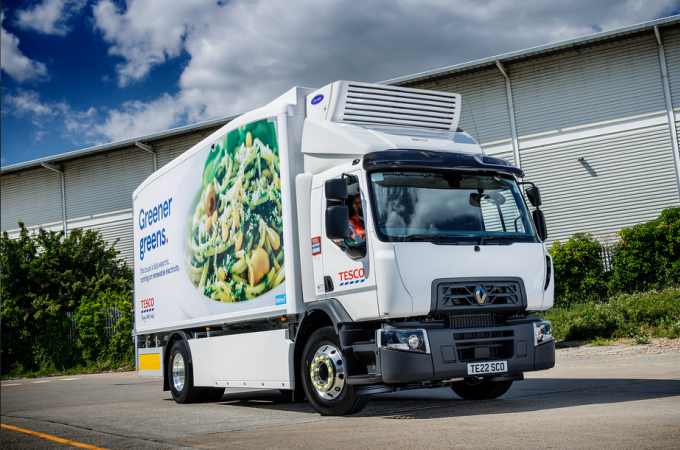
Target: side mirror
[336,189]
[337,222]
[534,196]
[539,222]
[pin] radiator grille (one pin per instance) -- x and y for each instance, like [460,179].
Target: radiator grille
[387,105]
[466,295]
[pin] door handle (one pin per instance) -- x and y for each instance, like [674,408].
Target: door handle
[328,283]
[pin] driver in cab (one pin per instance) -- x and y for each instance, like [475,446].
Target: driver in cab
[357,227]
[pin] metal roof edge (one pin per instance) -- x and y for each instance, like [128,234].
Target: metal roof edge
[527,52]
[114,145]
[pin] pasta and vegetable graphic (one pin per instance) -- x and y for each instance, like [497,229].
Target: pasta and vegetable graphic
[235,249]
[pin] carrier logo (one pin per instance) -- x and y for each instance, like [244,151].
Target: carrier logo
[147,311]
[352,277]
[480,294]
[316,100]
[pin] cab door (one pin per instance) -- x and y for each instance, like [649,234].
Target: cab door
[348,273]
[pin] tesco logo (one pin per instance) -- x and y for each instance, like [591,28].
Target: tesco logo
[147,305]
[352,276]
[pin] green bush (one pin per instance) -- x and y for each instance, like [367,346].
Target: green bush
[639,316]
[648,254]
[579,273]
[44,276]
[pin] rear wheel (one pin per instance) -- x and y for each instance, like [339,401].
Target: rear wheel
[480,389]
[180,376]
[324,378]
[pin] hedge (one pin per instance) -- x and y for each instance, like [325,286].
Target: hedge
[646,257]
[46,275]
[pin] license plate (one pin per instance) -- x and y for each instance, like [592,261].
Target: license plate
[488,367]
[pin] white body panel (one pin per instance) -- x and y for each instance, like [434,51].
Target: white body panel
[166,297]
[523,260]
[257,360]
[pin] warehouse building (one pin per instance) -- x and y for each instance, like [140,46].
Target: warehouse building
[592,121]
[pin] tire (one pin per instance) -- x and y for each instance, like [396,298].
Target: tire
[472,389]
[182,387]
[211,395]
[331,396]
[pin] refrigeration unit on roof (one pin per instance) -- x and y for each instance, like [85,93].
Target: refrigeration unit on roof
[370,104]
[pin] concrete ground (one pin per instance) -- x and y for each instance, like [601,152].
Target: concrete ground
[594,398]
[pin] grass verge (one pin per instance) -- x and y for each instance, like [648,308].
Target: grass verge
[637,316]
[78,370]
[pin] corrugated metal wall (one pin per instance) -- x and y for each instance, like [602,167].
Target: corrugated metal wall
[626,178]
[170,149]
[485,104]
[33,197]
[592,85]
[671,45]
[104,183]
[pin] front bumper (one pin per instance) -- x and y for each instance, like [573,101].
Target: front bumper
[451,349]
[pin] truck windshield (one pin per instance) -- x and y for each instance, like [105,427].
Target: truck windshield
[452,206]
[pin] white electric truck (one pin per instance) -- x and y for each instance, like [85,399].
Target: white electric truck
[338,243]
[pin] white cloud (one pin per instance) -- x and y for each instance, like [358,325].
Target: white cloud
[49,16]
[148,32]
[15,63]
[243,54]
[28,103]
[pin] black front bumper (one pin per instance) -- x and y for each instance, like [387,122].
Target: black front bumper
[452,349]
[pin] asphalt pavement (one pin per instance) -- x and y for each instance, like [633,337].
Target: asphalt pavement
[591,399]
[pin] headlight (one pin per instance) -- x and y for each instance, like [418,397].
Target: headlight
[407,340]
[542,332]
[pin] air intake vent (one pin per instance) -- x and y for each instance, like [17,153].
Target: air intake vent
[374,104]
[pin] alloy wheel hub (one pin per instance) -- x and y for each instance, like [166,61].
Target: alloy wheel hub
[178,372]
[327,372]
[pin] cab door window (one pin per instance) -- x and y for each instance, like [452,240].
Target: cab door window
[355,245]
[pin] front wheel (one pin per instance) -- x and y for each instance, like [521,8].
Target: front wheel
[324,377]
[480,389]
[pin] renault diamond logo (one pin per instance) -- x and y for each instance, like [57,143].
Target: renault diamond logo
[480,294]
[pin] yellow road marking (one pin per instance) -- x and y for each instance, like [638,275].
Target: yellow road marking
[52,438]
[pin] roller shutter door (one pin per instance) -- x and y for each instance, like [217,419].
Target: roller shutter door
[627,178]
[588,86]
[33,197]
[485,104]
[671,46]
[105,183]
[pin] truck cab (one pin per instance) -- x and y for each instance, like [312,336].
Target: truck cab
[442,283]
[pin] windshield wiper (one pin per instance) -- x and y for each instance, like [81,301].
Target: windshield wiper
[500,236]
[432,237]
